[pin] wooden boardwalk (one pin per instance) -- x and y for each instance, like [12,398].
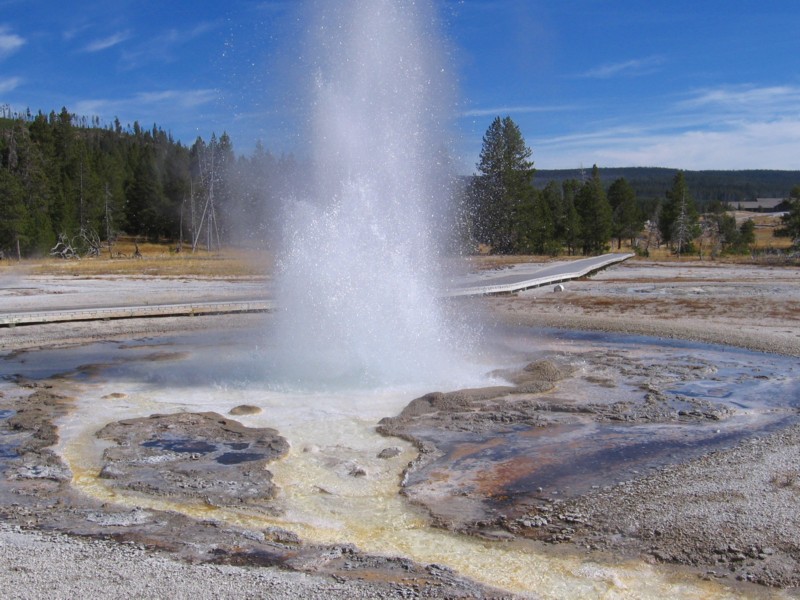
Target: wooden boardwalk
[476,284]
[557,273]
[133,312]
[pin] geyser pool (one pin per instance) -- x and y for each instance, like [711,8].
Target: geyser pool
[358,275]
[319,499]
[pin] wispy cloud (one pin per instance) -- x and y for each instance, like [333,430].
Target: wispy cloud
[9,42]
[73,32]
[629,68]
[183,98]
[763,145]
[144,104]
[9,84]
[162,47]
[742,127]
[728,127]
[108,42]
[176,37]
[747,98]
[515,110]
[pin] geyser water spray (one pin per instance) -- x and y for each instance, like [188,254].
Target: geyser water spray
[358,278]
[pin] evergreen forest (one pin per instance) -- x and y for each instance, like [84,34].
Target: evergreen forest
[66,182]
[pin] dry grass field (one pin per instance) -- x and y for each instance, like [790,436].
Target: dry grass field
[157,260]
[766,224]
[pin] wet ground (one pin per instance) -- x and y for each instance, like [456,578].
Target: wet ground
[192,456]
[571,416]
[168,478]
[627,406]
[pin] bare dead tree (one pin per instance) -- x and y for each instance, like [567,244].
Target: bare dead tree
[711,238]
[180,227]
[109,237]
[209,216]
[86,243]
[682,228]
[91,241]
[653,232]
[63,248]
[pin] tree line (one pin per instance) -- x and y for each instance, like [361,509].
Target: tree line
[69,185]
[708,186]
[510,214]
[64,179]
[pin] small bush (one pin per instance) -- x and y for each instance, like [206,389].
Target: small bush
[786,479]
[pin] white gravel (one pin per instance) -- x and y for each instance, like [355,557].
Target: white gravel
[35,565]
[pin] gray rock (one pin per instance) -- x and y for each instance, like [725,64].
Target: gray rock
[389,452]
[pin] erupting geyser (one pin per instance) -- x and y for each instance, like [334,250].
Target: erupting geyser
[359,273]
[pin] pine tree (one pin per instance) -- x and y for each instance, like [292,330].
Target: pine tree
[571,228]
[25,196]
[536,233]
[595,215]
[144,197]
[12,212]
[503,185]
[790,221]
[225,174]
[626,216]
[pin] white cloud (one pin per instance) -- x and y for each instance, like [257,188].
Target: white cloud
[628,68]
[9,84]
[9,42]
[108,42]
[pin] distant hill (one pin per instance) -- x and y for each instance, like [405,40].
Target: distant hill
[705,186]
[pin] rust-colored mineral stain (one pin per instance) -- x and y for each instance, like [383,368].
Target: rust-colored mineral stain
[469,449]
[494,481]
[439,476]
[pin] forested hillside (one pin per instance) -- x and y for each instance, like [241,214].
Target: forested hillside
[706,186]
[61,176]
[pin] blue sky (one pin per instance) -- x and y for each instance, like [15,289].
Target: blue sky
[702,84]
